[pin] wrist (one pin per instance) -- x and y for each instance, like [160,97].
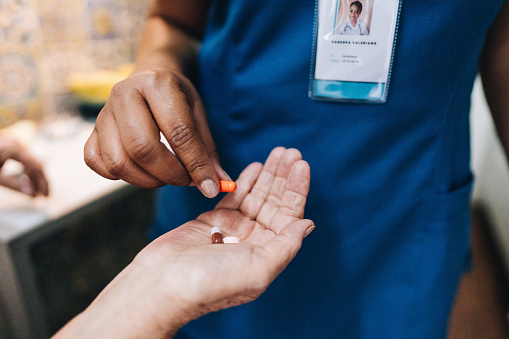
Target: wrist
[131,306]
[165,46]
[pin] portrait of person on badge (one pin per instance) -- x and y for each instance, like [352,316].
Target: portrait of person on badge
[353,17]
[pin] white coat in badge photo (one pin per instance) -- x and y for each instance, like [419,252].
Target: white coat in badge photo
[353,17]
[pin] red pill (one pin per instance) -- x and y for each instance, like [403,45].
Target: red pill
[227,186]
[216,236]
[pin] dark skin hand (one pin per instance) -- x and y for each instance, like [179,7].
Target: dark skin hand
[159,99]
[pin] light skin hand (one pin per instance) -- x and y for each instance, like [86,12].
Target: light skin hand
[32,181]
[181,276]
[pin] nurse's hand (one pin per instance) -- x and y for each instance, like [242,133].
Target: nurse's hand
[126,141]
[32,180]
[181,275]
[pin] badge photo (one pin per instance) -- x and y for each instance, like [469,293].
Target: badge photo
[353,49]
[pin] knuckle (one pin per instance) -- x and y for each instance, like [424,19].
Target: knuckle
[90,160]
[158,78]
[141,150]
[152,77]
[118,89]
[196,165]
[90,156]
[124,88]
[212,151]
[288,211]
[182,136]
[116,166]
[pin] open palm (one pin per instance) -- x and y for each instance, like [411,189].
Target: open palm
[181,275]
[265,212]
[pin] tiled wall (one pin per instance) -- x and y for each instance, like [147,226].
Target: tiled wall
[43,41]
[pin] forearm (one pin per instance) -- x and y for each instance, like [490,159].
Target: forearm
[498,104]
[166,46]
[171,36]
[131,306]
[494,69]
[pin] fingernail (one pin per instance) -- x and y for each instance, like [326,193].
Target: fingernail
[309,230]
[209,188]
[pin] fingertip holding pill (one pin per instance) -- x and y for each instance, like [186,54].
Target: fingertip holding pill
[216,235]
[227,186]
[231,240]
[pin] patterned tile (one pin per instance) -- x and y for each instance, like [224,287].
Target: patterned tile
[43,41]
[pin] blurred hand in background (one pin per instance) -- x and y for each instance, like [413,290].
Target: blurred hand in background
[32,180]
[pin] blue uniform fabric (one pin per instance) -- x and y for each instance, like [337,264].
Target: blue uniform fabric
[390,183]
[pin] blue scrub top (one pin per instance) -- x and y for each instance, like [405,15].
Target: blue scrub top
[390,183]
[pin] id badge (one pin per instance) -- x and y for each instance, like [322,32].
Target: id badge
[353,49]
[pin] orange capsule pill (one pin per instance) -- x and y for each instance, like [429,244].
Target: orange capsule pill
[216,236]
[227,186]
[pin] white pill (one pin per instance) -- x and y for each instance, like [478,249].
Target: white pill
[231,240]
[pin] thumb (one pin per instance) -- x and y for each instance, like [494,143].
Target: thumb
[281,249]
[298,229]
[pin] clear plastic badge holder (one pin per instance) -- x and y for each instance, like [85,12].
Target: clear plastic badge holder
[353,49]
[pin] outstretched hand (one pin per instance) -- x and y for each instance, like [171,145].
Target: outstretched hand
[181,275]
[265,212]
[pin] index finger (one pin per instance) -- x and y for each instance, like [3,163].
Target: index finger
[280,186]
[293,200]
[139,136]
[181,119]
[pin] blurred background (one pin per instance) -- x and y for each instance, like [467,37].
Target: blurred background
[44,44]
[58,61]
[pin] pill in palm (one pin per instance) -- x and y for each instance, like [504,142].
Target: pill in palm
[231,240]
[227,186]
[216,236]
